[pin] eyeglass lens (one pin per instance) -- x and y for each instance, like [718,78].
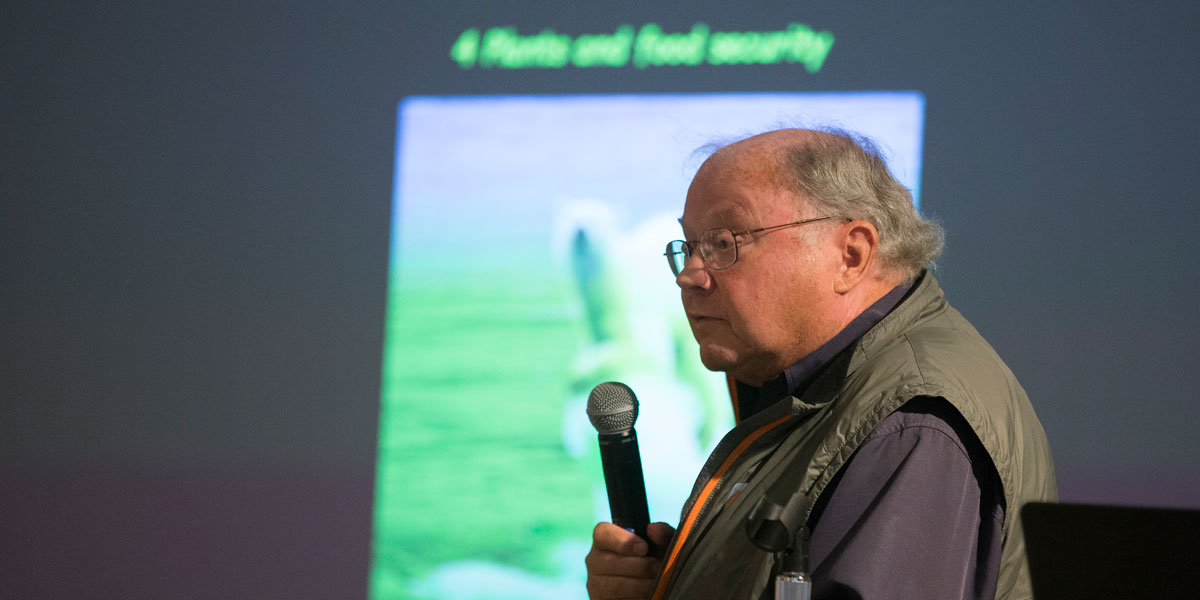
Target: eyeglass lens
[717,247]
[677,254]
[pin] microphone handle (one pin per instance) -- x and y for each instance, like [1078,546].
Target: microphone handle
[623,477]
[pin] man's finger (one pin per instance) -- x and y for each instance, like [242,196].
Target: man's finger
[660,533]
[611,538]
[609,563]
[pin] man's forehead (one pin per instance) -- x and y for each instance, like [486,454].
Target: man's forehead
[724,213]
[740,203]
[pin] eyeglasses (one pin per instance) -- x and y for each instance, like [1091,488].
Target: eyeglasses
[718,247]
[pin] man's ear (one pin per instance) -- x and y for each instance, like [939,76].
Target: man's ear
[859,242]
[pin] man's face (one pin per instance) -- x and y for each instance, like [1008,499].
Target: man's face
[768,309]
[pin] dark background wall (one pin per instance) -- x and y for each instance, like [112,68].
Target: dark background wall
[193,253]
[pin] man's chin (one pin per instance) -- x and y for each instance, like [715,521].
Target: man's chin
[718,359]
[740,366]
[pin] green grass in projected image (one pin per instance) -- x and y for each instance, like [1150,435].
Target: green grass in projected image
[471,453]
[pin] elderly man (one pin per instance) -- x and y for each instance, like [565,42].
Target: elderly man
[803,278]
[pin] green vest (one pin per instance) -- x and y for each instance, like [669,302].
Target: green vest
[922,348]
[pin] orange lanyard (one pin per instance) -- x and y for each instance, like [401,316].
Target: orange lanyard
[686,527]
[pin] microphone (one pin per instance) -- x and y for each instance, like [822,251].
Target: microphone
[612,408]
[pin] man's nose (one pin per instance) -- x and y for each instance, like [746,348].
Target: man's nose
[694,274]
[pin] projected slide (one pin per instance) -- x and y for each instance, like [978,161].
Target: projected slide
[527,267]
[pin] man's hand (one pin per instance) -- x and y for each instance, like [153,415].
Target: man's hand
[620,565]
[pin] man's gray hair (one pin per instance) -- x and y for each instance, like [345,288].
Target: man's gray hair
[844,175]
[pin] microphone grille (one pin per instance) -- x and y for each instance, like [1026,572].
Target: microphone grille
[612,407]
